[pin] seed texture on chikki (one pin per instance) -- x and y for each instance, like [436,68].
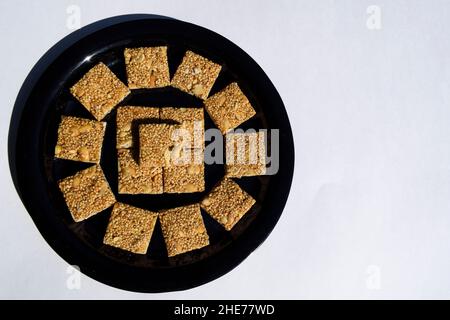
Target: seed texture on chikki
[155,143]
[227,203]
[192,125]
[147,67]
[179,156]
[87,193]
[183,229]
[99,91]
[196,75]
[125,117]
[184,178]
[245,154]
[130,228]
[136,179]
[229,108]
[80,139]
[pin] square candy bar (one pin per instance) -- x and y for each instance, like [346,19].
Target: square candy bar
[229,108]
[196,75]
[125,117]
[130,228]
[99,91]
[147,67]
[245,154]
[80,139]
[183,229]
[227,203]
[136,179]
[184,178]
[87,193]
[192,125]
[179,156]
[155,144]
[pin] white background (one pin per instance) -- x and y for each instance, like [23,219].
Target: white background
[369,211]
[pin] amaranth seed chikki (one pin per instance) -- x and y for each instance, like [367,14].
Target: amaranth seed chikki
[184,178]
[80,139]
[99,91]
[245,154]
[183,229]
[125,117]
[147,67]
[227,203]
[229,108]
[87,192]
[191,120]
[196,75]
[130,228]
[155,143]
[137,179]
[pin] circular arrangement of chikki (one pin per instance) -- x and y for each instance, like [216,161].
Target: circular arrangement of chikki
[167,156]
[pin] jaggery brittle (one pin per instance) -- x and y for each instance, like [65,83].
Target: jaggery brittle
[191,121]
[80,139]
[155,142]
[184,178]
[130,228]
[245,154]
[87,192]
[147,67]
[229,108]
[196,75]
[227,203]
[99,91]
[136,179]
[125,117]
[183,229]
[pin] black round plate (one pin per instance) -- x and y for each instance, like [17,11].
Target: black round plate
[45,96]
